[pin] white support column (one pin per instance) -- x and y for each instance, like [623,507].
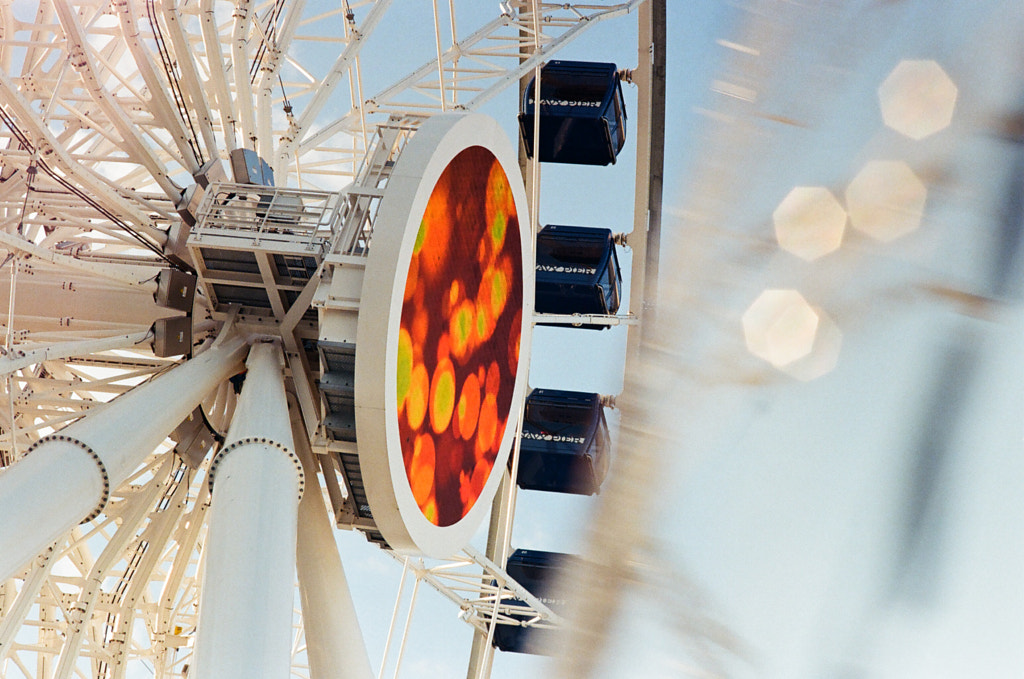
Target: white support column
[245,614]
[67,476]
[334,641]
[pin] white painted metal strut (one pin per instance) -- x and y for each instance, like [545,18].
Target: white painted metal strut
[18,359]
[245,613]
[241,13]
[81,463]
[54,151]
[194,90]
[88,598]
[297,128]
[14,615]
[162,107]
[334,641]
[82,59]
[135,276]
[225,103]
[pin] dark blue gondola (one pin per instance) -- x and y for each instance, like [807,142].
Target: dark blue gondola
[565,445]
[577,272]
[537,571]
[582,113]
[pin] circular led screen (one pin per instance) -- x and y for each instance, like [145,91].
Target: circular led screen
[442,331]
[458,345]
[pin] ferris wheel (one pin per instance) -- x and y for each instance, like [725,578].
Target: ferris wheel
[195,196]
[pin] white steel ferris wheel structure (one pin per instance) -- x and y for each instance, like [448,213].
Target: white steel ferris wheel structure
[115,120]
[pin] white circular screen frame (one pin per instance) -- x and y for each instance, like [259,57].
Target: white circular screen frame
[430,150]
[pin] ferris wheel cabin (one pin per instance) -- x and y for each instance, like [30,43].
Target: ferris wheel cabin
[565,446]
[577,272]
[537,571]
[582,113]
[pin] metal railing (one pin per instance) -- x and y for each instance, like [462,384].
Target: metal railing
[268,213]
[362,198]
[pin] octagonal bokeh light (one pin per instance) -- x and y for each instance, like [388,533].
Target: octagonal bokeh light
[917,98]
[809,222]
[780,327]
[886,200]
[824,353]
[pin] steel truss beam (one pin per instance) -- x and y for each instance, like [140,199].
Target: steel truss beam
[481,589]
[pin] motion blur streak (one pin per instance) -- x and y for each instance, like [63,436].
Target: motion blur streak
[864,523]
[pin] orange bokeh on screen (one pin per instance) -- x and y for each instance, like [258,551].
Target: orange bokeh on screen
[458,346]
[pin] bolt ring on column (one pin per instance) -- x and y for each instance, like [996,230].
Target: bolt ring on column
[262,440]
[96,458]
